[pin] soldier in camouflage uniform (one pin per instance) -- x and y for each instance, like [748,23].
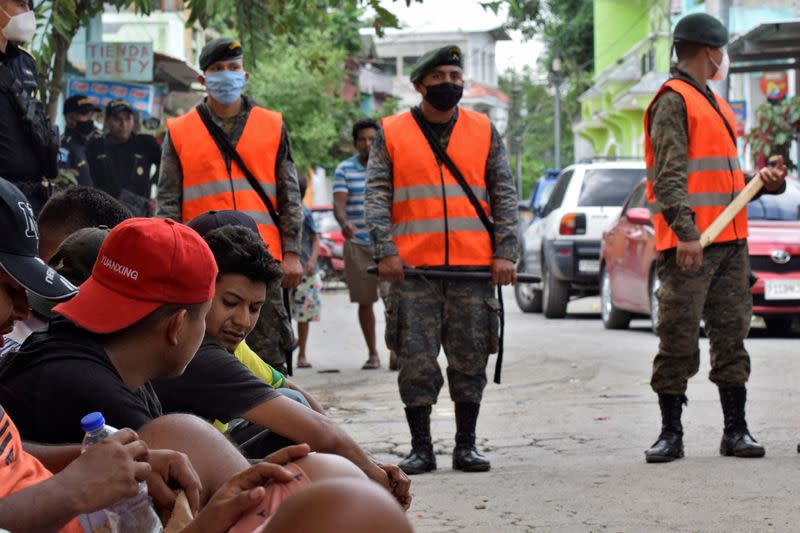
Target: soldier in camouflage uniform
[712,284]
[423,315]
[273,336]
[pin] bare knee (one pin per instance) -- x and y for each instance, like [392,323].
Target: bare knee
[323,466]
[351,505]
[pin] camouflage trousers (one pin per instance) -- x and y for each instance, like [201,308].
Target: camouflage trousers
[719,293]
[422,316]
[273,337]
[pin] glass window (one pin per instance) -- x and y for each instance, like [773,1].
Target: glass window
[608,186]
[547,189]
[558,192]
[638,198]
[784,206]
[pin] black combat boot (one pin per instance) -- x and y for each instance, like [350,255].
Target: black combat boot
[465,456]
[736,440]
[421,459]
[669,445]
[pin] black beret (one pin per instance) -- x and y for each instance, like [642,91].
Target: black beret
[446,55]
[701,28]
[218,50]
[80,103]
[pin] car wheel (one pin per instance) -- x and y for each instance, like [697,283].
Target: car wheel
[555,295]
[612,317]
[528,298]
[779,325]
[654,285]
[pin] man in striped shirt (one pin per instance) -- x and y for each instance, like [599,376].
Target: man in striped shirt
[348,200]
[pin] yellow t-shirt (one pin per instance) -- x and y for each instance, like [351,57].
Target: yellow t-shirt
[257,366]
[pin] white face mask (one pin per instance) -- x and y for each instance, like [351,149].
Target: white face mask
[722,68]
[20,28]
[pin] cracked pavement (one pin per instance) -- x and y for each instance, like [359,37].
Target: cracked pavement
[567,430]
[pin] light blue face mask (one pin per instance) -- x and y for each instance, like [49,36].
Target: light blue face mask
[225,86]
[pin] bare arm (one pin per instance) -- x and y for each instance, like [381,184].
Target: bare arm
[54,458]
[43,507]
[295,422]
[315,405]
[312,260]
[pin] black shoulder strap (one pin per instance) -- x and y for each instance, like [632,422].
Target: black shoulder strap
[222,140]
[441,155]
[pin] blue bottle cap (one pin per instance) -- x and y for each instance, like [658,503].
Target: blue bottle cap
[93,421]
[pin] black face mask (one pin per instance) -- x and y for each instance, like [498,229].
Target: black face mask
[85,127]
[444,96]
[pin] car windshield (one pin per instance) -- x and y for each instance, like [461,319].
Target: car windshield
[784,206]
[608,186]
[326,222]
[547,189]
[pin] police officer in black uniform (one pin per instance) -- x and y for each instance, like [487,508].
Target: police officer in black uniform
[79,112]
[123,163]
[28,140]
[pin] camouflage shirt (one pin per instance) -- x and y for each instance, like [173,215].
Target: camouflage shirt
[499,183]
[669,136]
[290,211]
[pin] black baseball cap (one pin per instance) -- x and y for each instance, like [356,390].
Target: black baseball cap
[117,106]
[19,247]
[74,260]
[212,220]
[80,103]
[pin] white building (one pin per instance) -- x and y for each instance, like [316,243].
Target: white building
[394,55]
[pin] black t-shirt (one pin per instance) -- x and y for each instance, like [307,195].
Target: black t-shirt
[129,165]
[215,386]
[18,160]
[62,374]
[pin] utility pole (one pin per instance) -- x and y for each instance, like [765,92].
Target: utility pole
[555,76]
[725,18]
[515,139]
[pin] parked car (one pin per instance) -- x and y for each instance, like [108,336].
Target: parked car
[563,245]
[531,207]
[331,257]
[628,280]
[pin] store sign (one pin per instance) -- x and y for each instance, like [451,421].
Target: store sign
[740,112]
[146,99]
[119,61]
[774,85]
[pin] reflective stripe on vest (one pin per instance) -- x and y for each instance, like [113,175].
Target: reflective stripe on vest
[207,185]
[714,176]
[433,222]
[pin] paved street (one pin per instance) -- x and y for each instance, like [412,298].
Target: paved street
[567,429]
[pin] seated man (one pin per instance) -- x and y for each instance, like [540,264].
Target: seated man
[215,385]
[72,209]
[33,499]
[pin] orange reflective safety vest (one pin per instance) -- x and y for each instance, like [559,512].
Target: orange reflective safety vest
[714,176]
[433,221]
[207,183]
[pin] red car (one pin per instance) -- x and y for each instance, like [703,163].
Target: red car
[627,261]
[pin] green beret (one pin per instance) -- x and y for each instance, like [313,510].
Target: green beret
[220,49]
[702,29]
[446,55]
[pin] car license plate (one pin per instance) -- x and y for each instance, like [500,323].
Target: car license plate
[782,289]
[589,265]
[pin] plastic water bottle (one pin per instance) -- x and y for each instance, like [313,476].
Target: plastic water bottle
[135,515]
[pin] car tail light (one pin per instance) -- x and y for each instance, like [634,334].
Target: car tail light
[573,224]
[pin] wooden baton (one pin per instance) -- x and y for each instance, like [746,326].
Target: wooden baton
[725,218]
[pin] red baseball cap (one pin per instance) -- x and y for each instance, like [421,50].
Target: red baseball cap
[144,263]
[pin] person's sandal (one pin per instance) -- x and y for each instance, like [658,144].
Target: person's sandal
[372,363]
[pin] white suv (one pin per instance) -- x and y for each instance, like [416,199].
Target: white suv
[562,245]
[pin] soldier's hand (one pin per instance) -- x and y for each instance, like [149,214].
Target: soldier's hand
[689,255]
[503,272]
[774,175]
[391,268]
[292,271]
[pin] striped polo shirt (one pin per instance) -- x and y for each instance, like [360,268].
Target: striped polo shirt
[351,178]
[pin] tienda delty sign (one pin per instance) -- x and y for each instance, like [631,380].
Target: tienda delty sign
[119,61]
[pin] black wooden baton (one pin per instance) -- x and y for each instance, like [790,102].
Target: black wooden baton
[458,275]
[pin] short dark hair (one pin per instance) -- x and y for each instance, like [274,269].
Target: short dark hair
[83,207]
[686,50]
[364,124]
[239,250]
